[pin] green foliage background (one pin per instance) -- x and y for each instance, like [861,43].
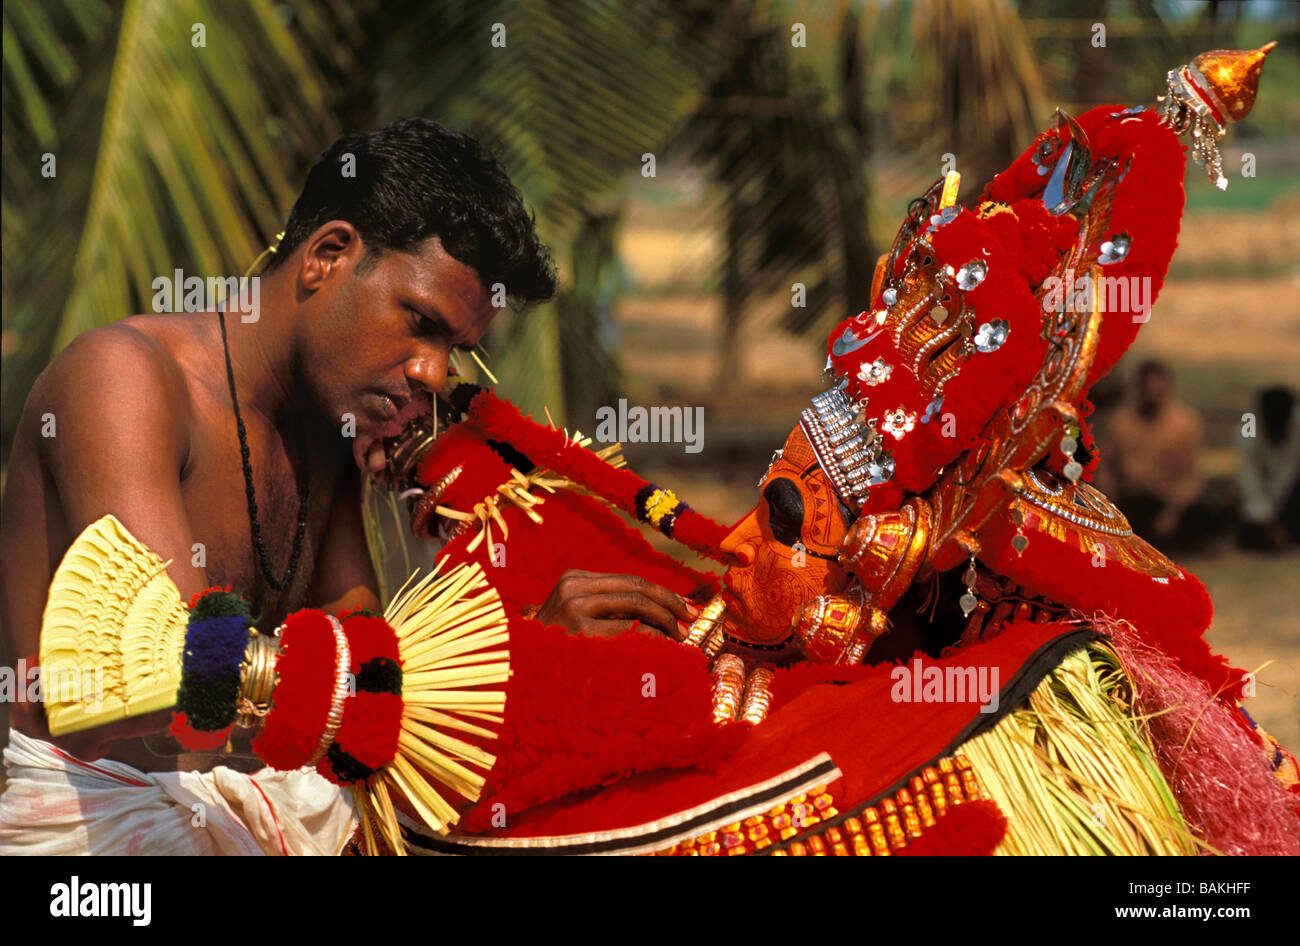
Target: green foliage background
[169,154]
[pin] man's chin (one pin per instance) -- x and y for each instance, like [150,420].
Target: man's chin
[369,455]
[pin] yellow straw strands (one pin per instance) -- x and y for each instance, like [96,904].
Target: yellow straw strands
[451,634]
[518,490]
[112,632]
[1074,772]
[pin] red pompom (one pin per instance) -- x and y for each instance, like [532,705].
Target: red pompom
[301,703]
[368,638]
[197,740]
[371,725]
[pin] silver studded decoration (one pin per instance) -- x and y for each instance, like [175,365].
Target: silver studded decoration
[990,336]
[1115,249]
[875,373]
[880,471]
[1018,541]
[942,218]
[898,422]
[971,274]
[968,601]
[1070,443]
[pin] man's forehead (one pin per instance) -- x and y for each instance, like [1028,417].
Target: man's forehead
[442,280]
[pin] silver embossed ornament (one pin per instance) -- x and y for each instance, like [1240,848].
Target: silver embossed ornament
[971,274]
[874,373]
[1115,249]
[990,336]
[898,422]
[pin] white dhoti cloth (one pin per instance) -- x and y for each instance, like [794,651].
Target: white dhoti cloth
[55,803]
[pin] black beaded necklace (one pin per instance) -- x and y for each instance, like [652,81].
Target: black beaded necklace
[304,482]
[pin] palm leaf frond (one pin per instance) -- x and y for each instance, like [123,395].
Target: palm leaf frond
[188,173]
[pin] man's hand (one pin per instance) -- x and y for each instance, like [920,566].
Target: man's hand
[601,605]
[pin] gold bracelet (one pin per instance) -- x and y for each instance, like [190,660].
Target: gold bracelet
[342,677]
[257,677]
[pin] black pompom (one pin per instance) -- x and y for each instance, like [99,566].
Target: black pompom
[380,675]
[346,767]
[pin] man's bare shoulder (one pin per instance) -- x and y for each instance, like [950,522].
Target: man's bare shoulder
[118,376]
[1121,420]
[1184,418]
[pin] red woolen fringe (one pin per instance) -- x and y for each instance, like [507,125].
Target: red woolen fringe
[621,706]
[551,449]
[1147,204]
[464,445]
[972,829]
[1170,616]
[577,532]
[372,721]
[293,728]
[368,638]
[1219,773]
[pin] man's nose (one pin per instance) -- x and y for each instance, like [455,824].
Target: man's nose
[428,371]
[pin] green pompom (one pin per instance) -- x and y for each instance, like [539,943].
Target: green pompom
[216,604]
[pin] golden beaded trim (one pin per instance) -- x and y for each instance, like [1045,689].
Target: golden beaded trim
[878,830]
[342,680]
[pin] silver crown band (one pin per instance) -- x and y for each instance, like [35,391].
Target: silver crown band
[848,452]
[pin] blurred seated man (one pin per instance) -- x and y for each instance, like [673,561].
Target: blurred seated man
[1154,446]
[1269,474]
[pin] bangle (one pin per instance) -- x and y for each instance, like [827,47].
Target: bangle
[342,675]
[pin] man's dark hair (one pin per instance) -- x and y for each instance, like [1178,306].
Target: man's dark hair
[1150,367]
[415,179]
[1276,405]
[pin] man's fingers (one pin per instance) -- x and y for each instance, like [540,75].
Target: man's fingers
[596,603]
[632,604]
[681,609]
[610,627]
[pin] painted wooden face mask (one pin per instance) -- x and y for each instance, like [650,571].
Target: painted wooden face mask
[788,547]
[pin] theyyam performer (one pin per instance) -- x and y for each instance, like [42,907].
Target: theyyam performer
[804,704]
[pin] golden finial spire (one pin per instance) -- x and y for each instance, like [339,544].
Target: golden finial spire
[1208,93]
[1232,78]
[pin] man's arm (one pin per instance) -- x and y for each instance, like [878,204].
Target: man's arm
[119,440]
[344,577]
[1183,472]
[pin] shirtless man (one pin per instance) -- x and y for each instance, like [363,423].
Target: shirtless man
[1153,448]
[378,278]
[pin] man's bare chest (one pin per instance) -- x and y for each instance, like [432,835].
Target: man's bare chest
[216,497]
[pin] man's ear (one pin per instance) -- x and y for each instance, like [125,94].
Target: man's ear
[333,248]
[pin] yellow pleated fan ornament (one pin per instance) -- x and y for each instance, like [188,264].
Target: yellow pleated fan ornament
[112,633]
